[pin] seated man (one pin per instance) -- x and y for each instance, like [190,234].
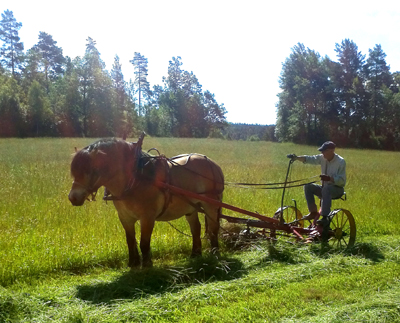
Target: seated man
[333,170]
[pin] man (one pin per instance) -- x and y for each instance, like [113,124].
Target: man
[333,170]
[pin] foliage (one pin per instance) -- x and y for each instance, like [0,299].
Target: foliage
[38,110]
[353,101]
[241,131]
[11,111]
[125,116]
[349,101]
[61,96]
[190,111]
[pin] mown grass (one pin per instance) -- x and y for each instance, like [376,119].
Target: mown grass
[67,264]
[253,286]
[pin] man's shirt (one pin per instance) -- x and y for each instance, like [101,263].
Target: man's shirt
[335,168]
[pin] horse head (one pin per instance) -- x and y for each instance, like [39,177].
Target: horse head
[107,162]
[86,169]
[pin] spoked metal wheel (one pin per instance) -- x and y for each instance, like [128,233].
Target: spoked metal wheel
[343,227]
[290,214]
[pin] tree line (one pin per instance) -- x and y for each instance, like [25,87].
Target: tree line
[354,101]
[44,93]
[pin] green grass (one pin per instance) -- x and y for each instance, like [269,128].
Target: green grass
[273,283]
[68,264]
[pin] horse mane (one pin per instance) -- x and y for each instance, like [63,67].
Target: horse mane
[101,144]
[81,163]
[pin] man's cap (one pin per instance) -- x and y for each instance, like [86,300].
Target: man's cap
[327,145]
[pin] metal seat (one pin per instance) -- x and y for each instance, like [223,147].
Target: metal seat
[343,197]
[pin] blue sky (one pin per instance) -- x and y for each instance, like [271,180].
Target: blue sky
[235,48]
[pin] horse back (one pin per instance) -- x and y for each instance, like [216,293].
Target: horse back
[197,173]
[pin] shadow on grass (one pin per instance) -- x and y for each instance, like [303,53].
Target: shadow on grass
[139,283]
[366,250]
[295,254]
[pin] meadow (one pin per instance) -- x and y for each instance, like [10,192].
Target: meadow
[60,263]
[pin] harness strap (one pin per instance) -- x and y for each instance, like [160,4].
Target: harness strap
[166,191]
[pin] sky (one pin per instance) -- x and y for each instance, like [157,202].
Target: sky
[235,48]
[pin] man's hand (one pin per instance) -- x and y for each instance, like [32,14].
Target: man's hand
[325,178]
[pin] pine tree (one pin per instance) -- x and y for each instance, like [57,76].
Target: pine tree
[349,81]
[12,50]
[124,108]
[118,83]
[303,107]
[95,85]
[377,76]
[52,56]
[141,73]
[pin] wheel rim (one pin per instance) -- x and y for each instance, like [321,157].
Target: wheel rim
[344,229]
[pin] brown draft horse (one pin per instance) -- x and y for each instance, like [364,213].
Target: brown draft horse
[131,176]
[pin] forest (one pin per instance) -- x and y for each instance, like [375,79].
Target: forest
[43,93]
[354,101]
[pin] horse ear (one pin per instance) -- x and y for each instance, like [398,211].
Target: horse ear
[140,140]
[76,151]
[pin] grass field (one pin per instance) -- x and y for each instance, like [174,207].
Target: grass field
[68,264]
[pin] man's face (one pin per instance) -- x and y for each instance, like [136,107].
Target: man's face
[328,154]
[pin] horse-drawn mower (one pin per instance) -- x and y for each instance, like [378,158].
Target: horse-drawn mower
[148,188]
[288,220]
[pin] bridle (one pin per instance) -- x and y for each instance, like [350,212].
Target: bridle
[89,189]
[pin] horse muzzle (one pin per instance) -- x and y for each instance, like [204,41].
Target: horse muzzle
[78,194]
[77,197]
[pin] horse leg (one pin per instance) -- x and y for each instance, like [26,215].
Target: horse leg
[195,228]
[146,229]
[129,226]
[134,258]
[211,214]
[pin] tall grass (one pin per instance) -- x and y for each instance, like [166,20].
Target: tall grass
[40,232]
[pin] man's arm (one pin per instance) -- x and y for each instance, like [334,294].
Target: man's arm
[300,158]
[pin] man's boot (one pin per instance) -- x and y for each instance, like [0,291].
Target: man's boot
[325,223]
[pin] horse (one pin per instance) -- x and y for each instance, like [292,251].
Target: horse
[133,181]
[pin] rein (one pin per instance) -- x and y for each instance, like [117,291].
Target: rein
[244,185]
[141,163]
[240,185]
